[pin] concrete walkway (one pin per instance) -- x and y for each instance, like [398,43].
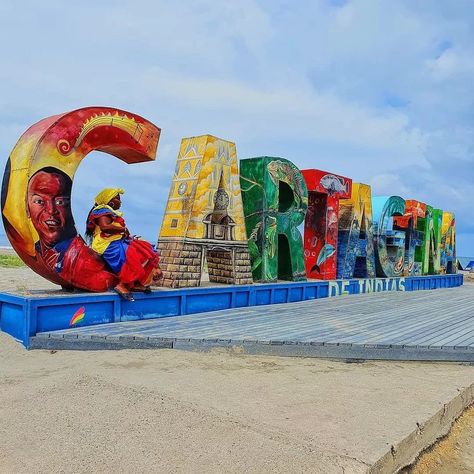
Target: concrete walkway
[176,411]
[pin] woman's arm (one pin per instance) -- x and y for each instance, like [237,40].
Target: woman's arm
[107,225]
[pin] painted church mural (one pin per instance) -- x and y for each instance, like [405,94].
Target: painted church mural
[243,225]
[204,219]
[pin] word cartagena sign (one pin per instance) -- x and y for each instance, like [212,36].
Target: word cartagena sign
[244,224]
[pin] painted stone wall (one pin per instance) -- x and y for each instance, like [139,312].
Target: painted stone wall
[275,202]
[321,222]
[355,257]
[204,217]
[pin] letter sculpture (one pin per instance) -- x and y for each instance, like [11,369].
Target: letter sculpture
[448,243]
[204,216]
[36,190]
[321,222]
[275,202]
[410,223]
[389,243]
[430,251]
[245,226]
[356,240]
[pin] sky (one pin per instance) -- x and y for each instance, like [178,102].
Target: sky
[378,91]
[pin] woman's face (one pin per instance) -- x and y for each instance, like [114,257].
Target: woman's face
[116,202]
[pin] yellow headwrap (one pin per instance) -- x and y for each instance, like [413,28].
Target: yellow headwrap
[107,194]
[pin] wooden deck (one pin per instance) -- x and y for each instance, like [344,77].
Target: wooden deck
[421,325]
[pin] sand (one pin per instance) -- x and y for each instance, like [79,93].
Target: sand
[124,412]
[22,280]
[454,453]
[172,411]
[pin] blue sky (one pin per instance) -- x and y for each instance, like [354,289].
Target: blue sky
[379,91]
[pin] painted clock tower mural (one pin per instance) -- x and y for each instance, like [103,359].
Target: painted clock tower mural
[204,217]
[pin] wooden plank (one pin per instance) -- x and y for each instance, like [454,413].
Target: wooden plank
[428,320]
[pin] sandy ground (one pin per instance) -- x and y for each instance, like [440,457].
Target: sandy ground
[23,280]
[453,454]
[172,411]
[144,411]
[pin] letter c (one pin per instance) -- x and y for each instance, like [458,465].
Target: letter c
[36,189]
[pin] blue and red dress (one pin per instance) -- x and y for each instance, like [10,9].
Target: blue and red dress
[132,259]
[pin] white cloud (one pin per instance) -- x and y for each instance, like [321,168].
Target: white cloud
[379,91]
[452,63]
[388,184]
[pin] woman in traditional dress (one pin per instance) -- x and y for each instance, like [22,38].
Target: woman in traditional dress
[133,260]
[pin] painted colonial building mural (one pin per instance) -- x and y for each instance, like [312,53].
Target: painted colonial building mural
[204,218]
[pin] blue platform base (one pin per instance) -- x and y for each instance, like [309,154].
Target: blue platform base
[25,316]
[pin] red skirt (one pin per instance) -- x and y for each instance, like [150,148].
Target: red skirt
[140,262]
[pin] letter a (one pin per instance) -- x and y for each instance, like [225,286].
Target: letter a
[355,238]
[204,217]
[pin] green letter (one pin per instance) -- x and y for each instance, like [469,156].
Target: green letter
[275,201]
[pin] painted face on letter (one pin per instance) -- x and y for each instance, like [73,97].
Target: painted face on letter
[49,207]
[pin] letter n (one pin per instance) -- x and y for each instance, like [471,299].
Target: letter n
[430,251]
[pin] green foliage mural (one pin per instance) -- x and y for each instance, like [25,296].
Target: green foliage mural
[430,252]
[275,201]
